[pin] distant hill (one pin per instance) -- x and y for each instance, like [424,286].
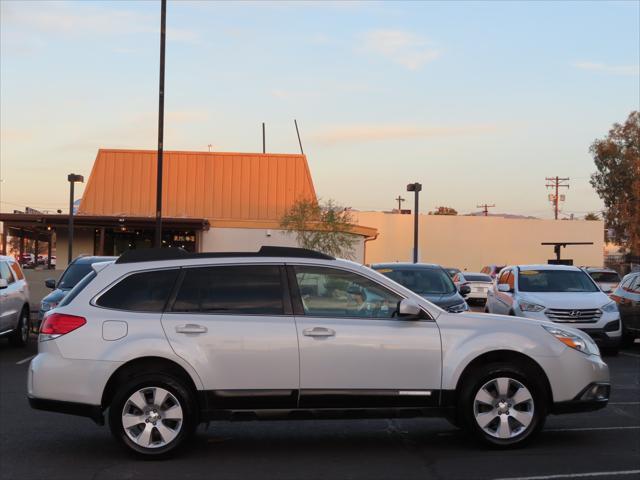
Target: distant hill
[502,215]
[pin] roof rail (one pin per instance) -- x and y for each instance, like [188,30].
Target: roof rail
[158,254]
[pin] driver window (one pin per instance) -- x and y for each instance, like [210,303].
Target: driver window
[329,292]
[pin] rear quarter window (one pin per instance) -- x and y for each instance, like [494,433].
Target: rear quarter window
[140,292]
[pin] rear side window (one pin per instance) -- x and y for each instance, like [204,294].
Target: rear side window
[235,290]
[68,298]
[140,292]
[17,271]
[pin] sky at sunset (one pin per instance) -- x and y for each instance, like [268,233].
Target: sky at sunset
[477,101]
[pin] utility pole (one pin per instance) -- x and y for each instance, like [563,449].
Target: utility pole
[485,208]
[264,145]
[163,34]
[556,183]
[415,188]
[399,199]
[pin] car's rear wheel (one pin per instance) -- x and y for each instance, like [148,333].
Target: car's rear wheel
[153,415]
[503,405]
[20,336]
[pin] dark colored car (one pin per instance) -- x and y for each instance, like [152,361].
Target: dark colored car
[74,272]
[452,271]
[429,281]
[627,296]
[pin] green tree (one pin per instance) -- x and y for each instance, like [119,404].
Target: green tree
[591,216]
[617,181]
[324,227]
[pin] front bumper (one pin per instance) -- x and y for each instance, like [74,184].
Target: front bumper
[594,396]
[606,332]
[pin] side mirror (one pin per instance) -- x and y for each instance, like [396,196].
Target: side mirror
[50,283]
[464,290]
[504,287]
[409,309]
[3,283]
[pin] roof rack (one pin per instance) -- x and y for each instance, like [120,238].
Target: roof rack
[158,254]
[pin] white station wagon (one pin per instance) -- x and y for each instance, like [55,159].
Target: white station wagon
[162,340]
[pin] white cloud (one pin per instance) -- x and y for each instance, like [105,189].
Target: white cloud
[405,48]
[612,69]
[366,133]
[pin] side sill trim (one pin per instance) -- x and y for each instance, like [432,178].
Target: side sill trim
[94,412]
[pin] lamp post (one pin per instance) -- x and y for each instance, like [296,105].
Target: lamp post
[73,178]
[415,188]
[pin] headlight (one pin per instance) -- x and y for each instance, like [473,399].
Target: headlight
[611,307]
[458,307]
[530,307]
[577,342]
[46,306]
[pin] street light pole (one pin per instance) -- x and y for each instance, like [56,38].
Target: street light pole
[72,178]
[163,28]
[415,188]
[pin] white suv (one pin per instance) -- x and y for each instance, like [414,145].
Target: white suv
[14,303]
[163,340]
[562,294]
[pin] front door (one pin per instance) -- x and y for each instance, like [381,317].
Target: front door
[234,325]
[504,300]
[354,350]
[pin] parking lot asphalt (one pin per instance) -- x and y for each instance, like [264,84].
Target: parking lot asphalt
[41,445]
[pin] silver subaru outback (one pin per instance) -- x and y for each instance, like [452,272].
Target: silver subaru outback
[161,340]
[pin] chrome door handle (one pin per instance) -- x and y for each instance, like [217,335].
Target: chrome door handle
[318,332]
[191,328]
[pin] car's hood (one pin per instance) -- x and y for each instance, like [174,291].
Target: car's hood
[566,300]
[443,300]
[56,295]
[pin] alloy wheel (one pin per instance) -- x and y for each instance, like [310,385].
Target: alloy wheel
[152,417]
[503,408]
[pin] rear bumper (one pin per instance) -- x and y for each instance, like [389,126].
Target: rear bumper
[594,396]
[94,412]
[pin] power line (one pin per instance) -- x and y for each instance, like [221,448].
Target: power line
[485,208]
[556,182]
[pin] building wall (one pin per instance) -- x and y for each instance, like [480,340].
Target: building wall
[472,242]
[251,239]
[83,240]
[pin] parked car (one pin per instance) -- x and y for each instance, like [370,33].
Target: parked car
[428,280]
[606,278]
[479,284]
[452,271]
[14,303]
[561,294]
[75,271]
[627,296]
[164,339]
[27,260]
[492,270]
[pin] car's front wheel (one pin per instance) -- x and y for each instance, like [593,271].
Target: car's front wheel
[502,405]
[153,415]
[20,336]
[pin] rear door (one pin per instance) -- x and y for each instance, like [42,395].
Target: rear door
[234,325]
[354,351]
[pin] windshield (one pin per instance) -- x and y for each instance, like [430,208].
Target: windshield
[426,281]
[476,277]
[555,281]
[609,277]
[73,274]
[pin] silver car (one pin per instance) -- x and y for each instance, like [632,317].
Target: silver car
[14,302]
[161,340]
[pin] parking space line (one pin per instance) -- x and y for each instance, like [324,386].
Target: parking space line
[586,429]
[574,475]
[25,360]
[628,354]
[623,403]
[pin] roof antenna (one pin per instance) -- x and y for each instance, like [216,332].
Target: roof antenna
[298,133]
[264,148]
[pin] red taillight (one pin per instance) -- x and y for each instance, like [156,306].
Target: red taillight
[61,324]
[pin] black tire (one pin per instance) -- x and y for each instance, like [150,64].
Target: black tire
[536,409]
[150,383]
[20,336]
[628,338]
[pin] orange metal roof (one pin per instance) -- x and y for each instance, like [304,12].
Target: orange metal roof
[211,185]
